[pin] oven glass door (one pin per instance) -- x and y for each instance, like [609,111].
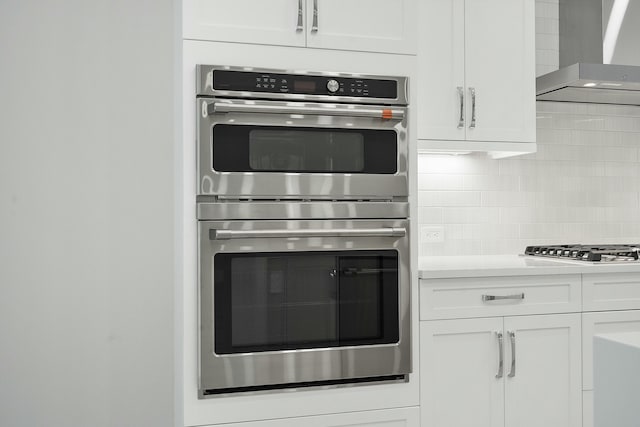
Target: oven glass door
[259,148]
[302,302]
[297,300]
[299,156]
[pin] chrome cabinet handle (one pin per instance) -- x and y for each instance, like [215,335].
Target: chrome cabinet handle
[284,234]
[461,97]
[300,25]
[232,106]
[486,298]
[501,358]
[314,25]
[512,337]
[473,107]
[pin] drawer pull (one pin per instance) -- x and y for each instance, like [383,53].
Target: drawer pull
[486,298]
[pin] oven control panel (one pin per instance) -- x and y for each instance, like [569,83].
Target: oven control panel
[253,81]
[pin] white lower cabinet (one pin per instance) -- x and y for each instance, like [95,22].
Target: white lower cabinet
[515,371]
[599,323]
[546,387]
[611,303]
[399,417]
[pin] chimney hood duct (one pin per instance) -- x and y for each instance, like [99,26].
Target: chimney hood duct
[596,66]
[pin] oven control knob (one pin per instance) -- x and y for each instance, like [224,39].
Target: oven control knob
[333,86]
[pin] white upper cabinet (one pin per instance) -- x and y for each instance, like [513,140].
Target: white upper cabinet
[476,78]
[388,26]
[367,25]
[279,22]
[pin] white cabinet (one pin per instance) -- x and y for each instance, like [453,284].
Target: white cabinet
[363,25]
[501,351]
[476,78]
[459,361]
[600,323]
[499,296]
[611,304]
[516,371]
[401,417]
[545,390]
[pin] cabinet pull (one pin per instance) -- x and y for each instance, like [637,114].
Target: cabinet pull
[461,97]
[486,298]
[512,338]
[473,108]
[314,25]
[501,358]
[300,26]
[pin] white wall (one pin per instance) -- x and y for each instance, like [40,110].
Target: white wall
[86,213]
[582,186]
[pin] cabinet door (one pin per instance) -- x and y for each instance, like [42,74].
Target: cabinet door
[441,83]
[366,25]
[500,68]
[459,382]
[599,323]
[602,323]
[543,387]
[245,21]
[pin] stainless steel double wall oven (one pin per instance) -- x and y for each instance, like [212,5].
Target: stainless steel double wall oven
[303,229]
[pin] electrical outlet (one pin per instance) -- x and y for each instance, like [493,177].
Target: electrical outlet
[432,234]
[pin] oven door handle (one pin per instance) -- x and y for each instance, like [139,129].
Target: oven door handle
[346,232]
[229,106]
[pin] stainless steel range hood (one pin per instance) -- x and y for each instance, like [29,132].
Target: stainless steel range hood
[596,65]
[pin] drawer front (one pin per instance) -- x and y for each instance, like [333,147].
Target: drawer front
[499,296]
[400,417]
[611,291]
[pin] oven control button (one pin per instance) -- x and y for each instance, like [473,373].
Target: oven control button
[333,86]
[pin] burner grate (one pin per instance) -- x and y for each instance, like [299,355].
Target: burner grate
[593,253]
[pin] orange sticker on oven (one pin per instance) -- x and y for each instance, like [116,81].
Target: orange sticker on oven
[387,114]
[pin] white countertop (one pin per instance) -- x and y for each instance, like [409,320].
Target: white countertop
[440,267]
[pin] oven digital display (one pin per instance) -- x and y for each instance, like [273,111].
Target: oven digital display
[305,86]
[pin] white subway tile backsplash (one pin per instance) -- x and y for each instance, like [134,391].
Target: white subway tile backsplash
[448,198]
[490,182]
[433,181]
[427,215]
[470,215]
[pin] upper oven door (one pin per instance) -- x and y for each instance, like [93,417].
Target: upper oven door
[300,150]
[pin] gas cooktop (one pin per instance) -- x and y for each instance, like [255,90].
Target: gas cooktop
[593,253]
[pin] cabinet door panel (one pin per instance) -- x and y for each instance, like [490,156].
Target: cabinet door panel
[244,21]
[371,25]
[440,69]
[599,323]
[546,388]
[459,363]
[500,66]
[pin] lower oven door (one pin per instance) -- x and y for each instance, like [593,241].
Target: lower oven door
[302,303]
